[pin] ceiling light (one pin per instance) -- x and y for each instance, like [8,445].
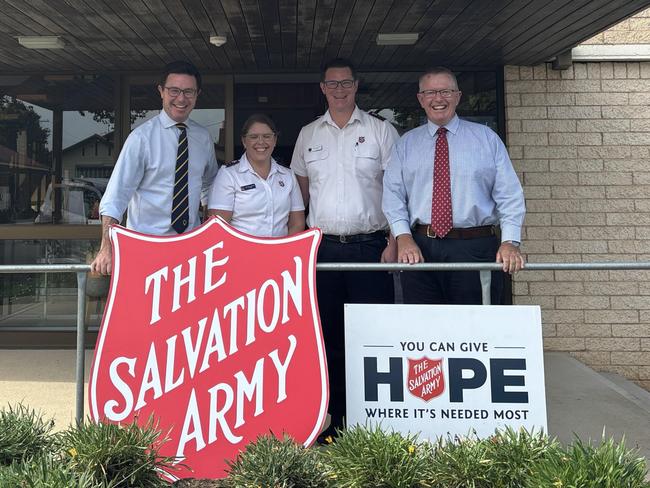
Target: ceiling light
[41,42]
[218,40]
[397,39]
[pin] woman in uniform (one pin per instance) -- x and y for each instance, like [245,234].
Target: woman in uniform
[254,193]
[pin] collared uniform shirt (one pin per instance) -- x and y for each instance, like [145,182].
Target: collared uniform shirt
[485,189]
[259,206]
[143,177]
[345,169]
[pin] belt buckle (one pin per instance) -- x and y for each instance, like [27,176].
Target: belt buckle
[343,239]
[431,234]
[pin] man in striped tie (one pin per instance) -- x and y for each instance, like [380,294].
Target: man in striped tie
[165,168]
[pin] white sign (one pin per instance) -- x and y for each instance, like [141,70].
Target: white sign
[444,370]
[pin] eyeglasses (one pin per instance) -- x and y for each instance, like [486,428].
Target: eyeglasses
[174,92]
[334,84]
[256,137]
[443,93]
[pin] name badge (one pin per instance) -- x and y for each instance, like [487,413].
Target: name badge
[247,187]
[315,148]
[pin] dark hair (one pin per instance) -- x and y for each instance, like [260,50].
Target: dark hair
[259,119]
[181,68]
[338,63]
[439,70]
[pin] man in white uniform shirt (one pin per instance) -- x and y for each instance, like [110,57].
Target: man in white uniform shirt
[339,161]
[144,176]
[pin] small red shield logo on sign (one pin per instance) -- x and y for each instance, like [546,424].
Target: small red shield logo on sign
[426,379]
[216,334]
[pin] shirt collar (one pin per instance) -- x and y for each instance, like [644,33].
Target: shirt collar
[451,126]
[245,165]
[168,122]
[356,115]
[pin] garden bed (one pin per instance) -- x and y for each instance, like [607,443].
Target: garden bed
[111,456]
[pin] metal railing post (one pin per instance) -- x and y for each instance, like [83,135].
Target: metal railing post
[486,285]
[81,345]
[484,268]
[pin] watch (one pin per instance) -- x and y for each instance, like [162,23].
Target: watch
[514,243]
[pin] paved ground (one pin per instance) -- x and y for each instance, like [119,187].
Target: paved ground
[582,402]
[579,401]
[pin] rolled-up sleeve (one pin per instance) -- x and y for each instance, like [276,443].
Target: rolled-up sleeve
[209,175]
[394,199]
[125,179]
[507,194]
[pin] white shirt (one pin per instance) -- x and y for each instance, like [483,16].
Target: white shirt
[485,189]
[259,206]
[345,169]
[143,177]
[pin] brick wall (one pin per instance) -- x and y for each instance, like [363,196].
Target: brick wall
[635,30]
[580,142]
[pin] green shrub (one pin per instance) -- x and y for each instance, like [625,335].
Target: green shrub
[23,434]
[461,462]
[609,465]
[270,462]
[43,472]
[118,456]
[368,457]
[514,455]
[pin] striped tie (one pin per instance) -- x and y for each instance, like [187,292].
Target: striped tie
[180,207]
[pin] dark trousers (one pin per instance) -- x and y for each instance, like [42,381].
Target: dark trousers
[452,287]
[335,288]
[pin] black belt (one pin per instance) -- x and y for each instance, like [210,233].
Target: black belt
[380,234]
[464,233]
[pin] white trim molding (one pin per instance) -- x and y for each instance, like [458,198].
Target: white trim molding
[611,52]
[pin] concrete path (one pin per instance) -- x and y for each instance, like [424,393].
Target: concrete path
[583,403]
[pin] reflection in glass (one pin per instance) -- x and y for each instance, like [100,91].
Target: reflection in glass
[56,147]
[45,299]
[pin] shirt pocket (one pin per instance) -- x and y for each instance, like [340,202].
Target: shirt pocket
[367,161]
[316,163]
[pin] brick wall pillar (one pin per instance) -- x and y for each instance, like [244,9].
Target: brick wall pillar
[580,142]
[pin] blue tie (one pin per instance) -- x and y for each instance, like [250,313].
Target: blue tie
[180,207]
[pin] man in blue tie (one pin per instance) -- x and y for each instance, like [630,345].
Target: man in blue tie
[165,168]
[450,191]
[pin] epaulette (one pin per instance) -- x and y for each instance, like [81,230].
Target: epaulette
[377,116]
[231,163]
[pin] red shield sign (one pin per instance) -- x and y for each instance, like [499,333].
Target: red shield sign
[426,379]
[217,335]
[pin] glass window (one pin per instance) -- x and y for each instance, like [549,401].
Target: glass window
[56,154]
[393,96]
[56,147]
[45,300]
[25,157]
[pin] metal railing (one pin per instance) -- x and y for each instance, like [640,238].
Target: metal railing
[484,268]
